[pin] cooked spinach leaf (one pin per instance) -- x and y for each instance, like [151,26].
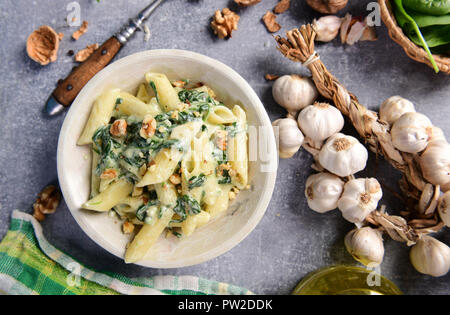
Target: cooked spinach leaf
[196,181]
[186,205]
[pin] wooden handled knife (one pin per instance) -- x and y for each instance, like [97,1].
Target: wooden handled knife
[68,89]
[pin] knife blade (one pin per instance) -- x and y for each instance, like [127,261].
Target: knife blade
[68,89]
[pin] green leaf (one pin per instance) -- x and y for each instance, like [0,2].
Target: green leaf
[196,181]
[404,19]
[432,7]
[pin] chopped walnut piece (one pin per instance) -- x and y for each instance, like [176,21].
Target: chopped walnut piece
[47,202]
[148,127]
[271,77]
[127,227]
[175,179]
[269,20]
[246,3]
[224,23]
[119,128]
[282,6]
[43,45]
[231,195]
[179,83]
[60,36]
[83,29]
[220,139]
[109,173]
[84,54]
[223,167]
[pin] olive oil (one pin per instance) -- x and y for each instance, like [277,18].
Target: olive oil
[345,280]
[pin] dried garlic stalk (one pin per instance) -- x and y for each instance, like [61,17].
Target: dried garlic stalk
[224,23]
[270,20]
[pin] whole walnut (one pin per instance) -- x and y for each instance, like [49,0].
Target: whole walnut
[327,6]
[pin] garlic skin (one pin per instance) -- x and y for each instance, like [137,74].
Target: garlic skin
[343,155]
[444,208]
[394,107]
[290,138]
[326,28]
[323,191]
[320,121]
[430,256]
[435,164]
[411,132]
[365,245]
[294,92]
[360,197]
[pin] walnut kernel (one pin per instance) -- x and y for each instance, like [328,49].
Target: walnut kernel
[83,29]
[148,127]
[127,227]
[47,202]
[224,23]
[282,6]
[246,3]
[84,54]
[109,173]
[269,20]
[119,128]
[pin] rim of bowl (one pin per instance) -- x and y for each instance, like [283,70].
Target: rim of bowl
[268,187]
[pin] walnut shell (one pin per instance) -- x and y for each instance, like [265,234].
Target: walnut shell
[327,6]
[43,45]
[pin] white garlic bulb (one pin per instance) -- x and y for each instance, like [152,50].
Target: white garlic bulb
[394,107]
[326,28]
[323,191]
[437,137]
[320,121]
[435,164]
[360,197]
[290,138]
[365,245]
[411,132]
[430,256]
[294,92]
[343,155]
[444,208]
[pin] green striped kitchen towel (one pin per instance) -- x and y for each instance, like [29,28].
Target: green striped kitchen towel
[29,264]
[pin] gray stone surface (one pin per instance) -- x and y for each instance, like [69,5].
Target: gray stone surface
[291,240]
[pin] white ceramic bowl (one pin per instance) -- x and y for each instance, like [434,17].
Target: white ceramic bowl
[74,162]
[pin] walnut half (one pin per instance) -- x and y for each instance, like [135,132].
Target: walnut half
[224,23]
[47,202]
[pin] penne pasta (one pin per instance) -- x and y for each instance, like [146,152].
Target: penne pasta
[100,115]
[166,95]
[133,106]
[112,196]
